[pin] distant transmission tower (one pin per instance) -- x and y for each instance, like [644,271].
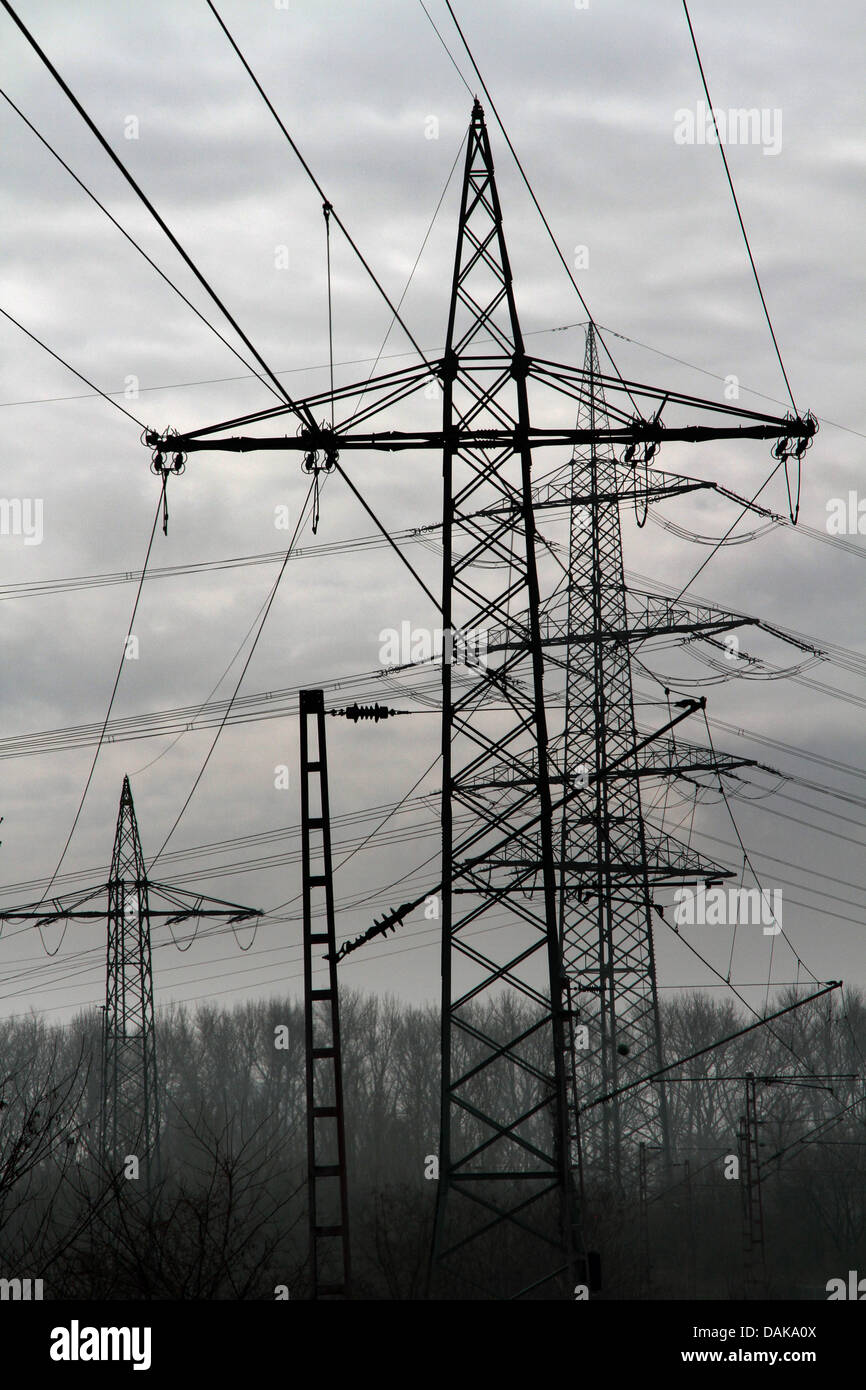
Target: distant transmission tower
[129,1108]
[130,1091]
[611,859]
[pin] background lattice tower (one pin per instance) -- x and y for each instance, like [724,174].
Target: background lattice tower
[130,1102]
[611,858]
[505,1217]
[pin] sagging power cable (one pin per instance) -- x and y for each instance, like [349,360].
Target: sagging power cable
[160,221]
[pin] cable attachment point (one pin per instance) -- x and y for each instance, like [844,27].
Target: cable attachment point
[318,461]
[162,446]
[649,448]
[794,444]
[323,460]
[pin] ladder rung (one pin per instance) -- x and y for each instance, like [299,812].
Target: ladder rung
[329,1230]
[324,1052]
[314,767]
[317,880]
[325,1112]
[319,936]
[331,1288]
[321,994]
[326,1170]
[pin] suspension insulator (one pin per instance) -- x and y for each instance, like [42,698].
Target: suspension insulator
[375,712]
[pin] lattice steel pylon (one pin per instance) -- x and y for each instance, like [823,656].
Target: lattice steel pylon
[131,902]
[507,1222]
[503,1159]
[130,1091]
[610,857]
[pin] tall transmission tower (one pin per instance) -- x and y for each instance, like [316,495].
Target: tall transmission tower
[611,859]
[506,1222]
[130,902]
[504,1122]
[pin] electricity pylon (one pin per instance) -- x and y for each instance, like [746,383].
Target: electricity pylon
[506,1222]
[130,1090]
[611,859]
[129,1102]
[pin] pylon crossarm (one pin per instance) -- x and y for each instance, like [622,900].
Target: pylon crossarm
[46,910]
[389,382]
[560,376]
[566,377]
[638,432]
[187,903]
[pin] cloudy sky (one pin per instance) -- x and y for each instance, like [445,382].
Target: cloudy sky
[592,98]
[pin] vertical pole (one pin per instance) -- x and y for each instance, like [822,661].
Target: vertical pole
[690,1216]
[754,1262]
[643,1224]
[328,1207]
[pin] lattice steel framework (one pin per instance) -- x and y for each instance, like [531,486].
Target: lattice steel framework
[328,1205]
[131,903]
[504,1174]
[130,1091]
[506,1223]
[611,859]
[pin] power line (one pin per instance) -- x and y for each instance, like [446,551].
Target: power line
[306,419]
[161,273]
[74,370]
[453,60]
[244,669]
[739,214]
[313,179]
[159,507]
[538,207]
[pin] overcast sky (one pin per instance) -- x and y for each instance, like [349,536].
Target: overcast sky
[590,99]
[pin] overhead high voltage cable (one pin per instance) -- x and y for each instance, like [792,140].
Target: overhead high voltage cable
[308,171]
[102,732]
[74,370]
[724,157]
[281,391]
[793,507]
[161,273]
[230,703]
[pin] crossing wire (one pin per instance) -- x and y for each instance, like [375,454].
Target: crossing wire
[318,187]
[92,196]
[73,370]
[244,669]
[793,508]
[159,507]
[737,206]
[438,34]
[306,418]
